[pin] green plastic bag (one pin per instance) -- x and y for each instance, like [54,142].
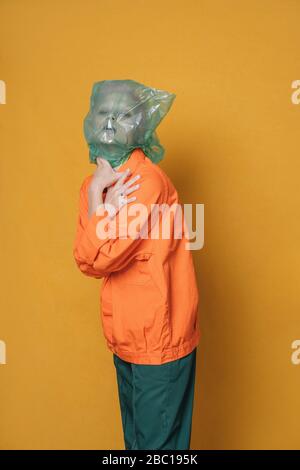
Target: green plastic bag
[123,115]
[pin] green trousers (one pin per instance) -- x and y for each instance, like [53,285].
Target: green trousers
[156,403]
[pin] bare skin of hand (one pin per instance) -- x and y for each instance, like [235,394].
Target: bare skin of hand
[104,177]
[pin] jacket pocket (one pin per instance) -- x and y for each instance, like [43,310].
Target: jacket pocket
[140,322]
[137,272]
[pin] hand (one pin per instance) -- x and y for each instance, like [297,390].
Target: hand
[116,195]
[103,176]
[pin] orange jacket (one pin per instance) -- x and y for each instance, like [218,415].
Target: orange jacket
[149,294]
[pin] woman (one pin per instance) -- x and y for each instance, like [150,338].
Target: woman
[149,295]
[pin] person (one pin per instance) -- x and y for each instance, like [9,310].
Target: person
[149,293]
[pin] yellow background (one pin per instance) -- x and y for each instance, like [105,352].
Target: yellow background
[232,143]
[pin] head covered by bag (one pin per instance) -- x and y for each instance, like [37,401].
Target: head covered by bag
[123,115]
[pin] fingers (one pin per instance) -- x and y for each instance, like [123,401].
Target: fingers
[100,161]
[121,178]
[103,162]
[131,181]
[121,187]
[125,200]
[116,177]
[130,190]
[124,189]
[130,199]
[118,203]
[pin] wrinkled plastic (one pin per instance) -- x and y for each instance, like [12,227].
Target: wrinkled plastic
[123,115]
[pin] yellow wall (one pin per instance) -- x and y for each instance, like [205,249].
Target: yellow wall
[232,143]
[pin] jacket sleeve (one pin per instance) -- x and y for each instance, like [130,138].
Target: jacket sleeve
[98,257]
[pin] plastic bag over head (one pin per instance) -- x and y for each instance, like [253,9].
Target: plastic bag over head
[123,115]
